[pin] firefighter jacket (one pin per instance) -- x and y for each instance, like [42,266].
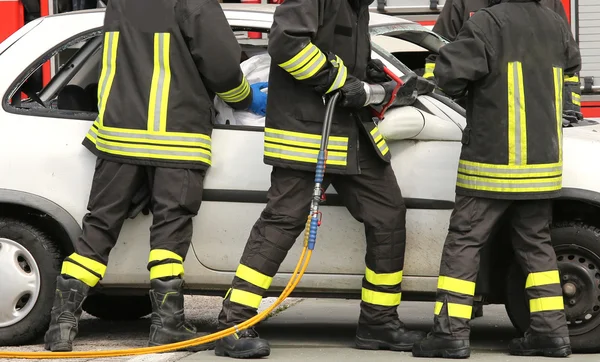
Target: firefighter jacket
[510,58]
[314,45]
[161,68]
[456,12]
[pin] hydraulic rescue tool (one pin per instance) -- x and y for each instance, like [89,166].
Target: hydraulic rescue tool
[376,97]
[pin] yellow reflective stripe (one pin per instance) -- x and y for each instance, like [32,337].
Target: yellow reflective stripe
[162,254]
[341,75]
[383,148]
[456,285]
[253,276]
[576,99]
[573,79]
[109,67]
[383,278]
[161,83]
[311,68]
[509,185]
[455,310]
[558,105]
[517,119]
[509,171]
[79,273]
[245,298]
[154,151]
[166,270]
[194,140]
[542,278]
[546,304]
[91,264]
[303,154]
[238,93]
[301,58]
[429,69]
[304,139]
[380,298]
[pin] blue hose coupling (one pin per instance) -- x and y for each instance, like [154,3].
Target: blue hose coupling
[312,233]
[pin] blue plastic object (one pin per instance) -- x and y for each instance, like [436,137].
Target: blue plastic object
[259,99]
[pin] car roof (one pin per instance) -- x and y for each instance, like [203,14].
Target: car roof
[376,19]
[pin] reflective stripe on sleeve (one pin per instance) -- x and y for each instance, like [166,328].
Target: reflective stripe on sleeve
[306,63]
[383,278]
[236,94]
[380,298]
[429,69]
[109,65]
[341,75]
[572,79]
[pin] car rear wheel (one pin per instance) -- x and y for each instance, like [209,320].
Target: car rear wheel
[29,264]
[118,307]
[577,249]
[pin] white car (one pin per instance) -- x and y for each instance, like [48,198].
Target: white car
[45,178]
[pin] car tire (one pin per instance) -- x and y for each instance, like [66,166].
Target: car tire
[30,254]
[118,307]
[577,248]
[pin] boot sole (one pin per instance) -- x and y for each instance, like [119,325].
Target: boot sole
[255,353]
[372,344]
[457,353]
[198,348]
[59,347]
[547,352]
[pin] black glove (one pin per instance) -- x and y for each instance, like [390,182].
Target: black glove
[352,94]
[375,71]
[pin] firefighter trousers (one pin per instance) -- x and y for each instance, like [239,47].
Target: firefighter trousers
[175,197]
[373,198]
[471,224]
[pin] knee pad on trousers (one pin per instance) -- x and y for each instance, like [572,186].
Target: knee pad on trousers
[385,250]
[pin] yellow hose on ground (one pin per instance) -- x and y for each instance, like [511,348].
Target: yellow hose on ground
[302,265]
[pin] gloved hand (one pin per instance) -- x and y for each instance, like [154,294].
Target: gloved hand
[375,71]
[352,94]
[571,117]
[259,99]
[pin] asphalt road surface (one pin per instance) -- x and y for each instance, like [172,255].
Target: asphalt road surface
[304,330]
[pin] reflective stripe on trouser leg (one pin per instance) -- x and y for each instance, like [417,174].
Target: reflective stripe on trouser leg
[534,251]
[271,237]
[471,224]
[164,263]
[87,270]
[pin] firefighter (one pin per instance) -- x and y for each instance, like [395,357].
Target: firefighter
[319,47]
[456,12]
[511,57]
[161,69]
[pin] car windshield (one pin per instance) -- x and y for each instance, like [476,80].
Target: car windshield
[393,39]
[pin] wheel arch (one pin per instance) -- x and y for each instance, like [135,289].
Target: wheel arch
[50,217]
[573,205]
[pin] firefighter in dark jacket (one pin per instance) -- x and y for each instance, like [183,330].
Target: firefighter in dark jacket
[456,12]
[160,70]
[319,47]
[511,57]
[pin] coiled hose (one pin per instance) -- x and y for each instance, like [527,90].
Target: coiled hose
[310,238]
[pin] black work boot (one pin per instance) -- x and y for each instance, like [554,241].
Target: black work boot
[244,344]
[392,336]
[538,345]
[168,319]
[66,311]
[433,346]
